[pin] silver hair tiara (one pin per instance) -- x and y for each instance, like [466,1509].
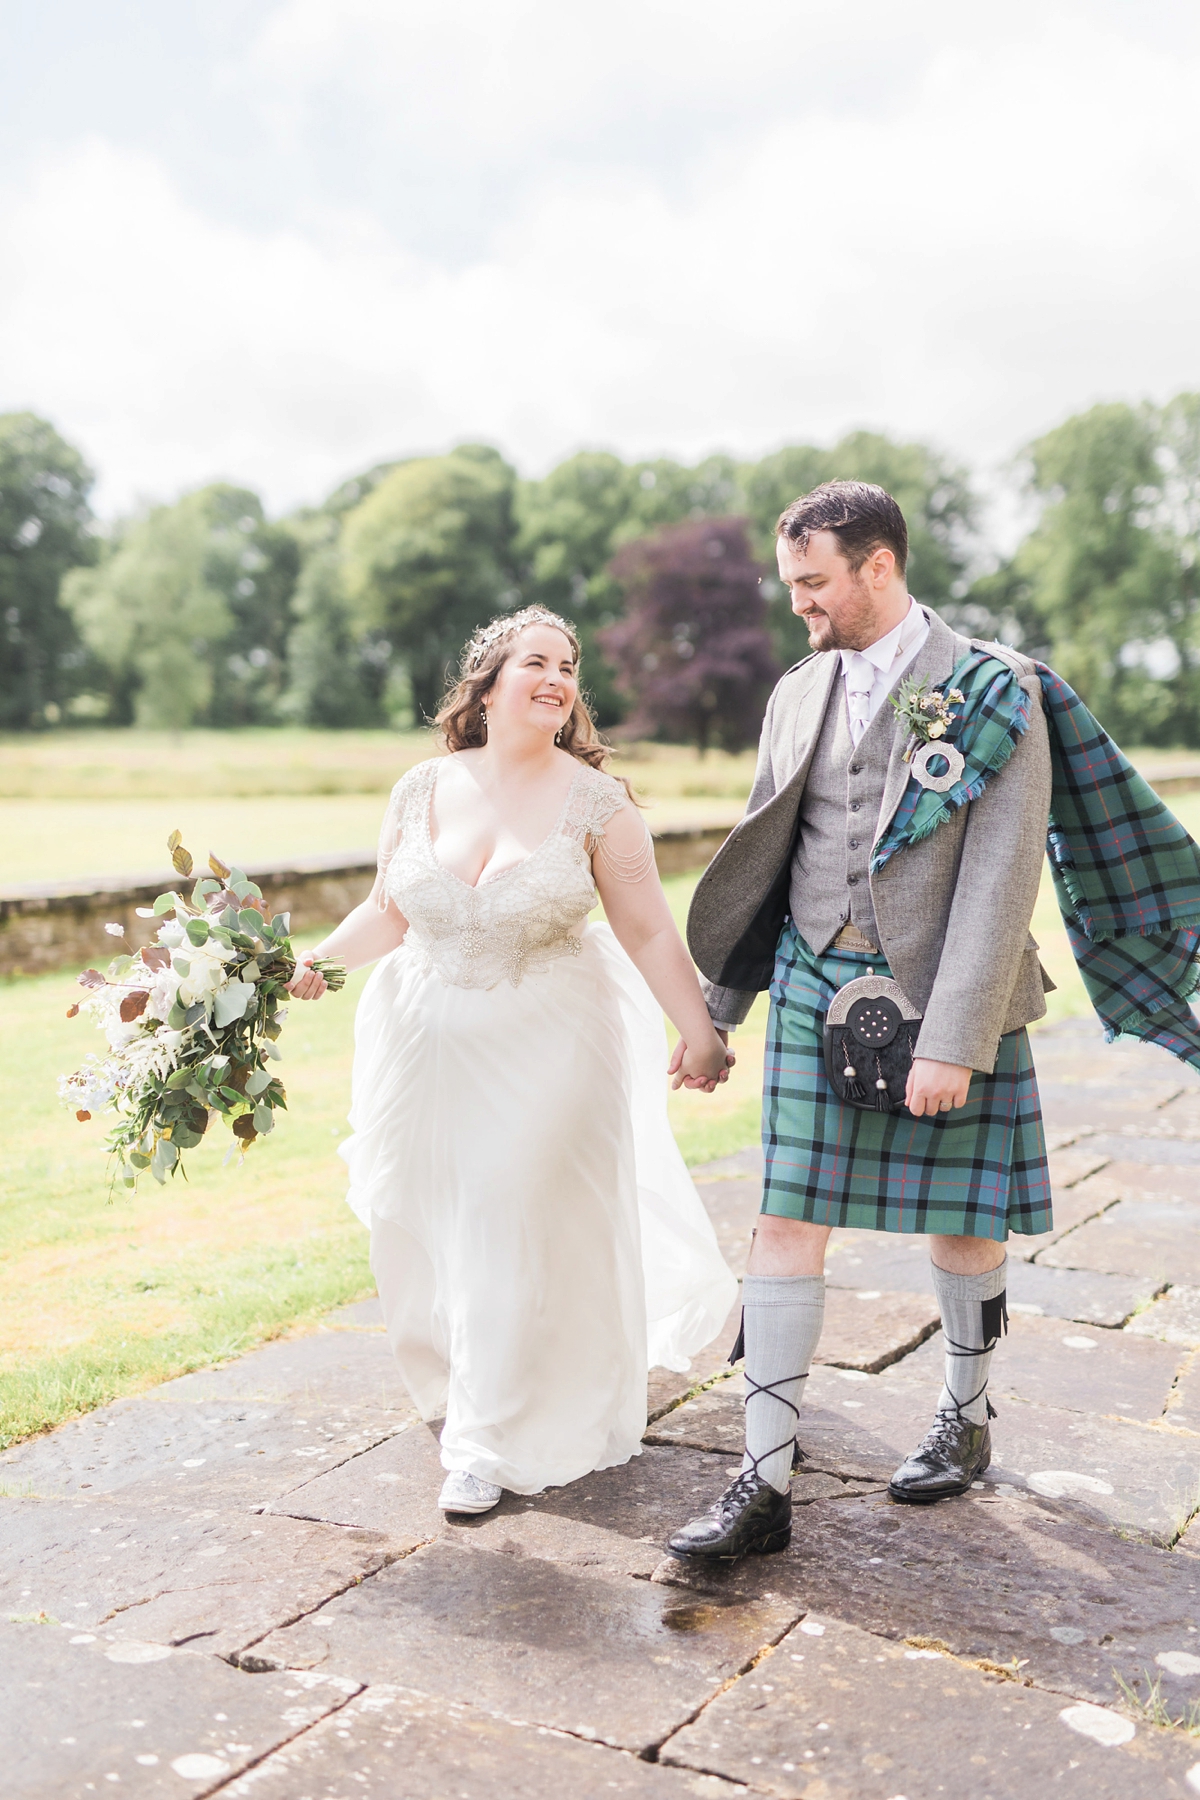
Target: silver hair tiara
[507,625]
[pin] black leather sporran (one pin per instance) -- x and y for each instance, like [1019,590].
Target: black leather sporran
[870,1041]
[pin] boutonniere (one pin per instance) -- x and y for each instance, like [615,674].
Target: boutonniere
[928,715]
[925,711]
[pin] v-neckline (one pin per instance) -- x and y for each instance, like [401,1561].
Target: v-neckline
[475,887]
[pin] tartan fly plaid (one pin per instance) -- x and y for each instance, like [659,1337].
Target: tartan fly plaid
[1126,872]
[1127,878]
[979,1171]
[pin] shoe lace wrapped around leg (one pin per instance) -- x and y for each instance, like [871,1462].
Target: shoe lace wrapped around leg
[767,1387]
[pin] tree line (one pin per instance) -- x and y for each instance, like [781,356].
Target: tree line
[207,612]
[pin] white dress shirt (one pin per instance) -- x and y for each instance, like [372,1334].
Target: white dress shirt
[871,674]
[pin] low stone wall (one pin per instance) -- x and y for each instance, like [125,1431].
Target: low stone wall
[57,925]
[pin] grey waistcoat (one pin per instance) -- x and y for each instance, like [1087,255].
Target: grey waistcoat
[838,817]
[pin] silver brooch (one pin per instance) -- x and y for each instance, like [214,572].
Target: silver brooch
[946,753]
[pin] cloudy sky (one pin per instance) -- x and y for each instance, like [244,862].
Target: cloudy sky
[276,240]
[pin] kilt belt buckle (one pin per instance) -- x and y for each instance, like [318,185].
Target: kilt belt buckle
[851,938]
[870,1041]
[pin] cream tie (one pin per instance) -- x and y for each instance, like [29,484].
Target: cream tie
[860,679]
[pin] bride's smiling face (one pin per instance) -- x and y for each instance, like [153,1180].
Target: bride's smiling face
[537,684]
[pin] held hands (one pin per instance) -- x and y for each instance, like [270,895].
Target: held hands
[935,1087]
[702,1068]
[307,983]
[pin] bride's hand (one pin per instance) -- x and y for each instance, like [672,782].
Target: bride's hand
[307,983]
[702,1068]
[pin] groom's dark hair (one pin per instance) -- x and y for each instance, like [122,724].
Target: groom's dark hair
[862,517]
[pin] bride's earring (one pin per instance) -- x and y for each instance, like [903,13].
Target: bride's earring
[558,735]
[483,719]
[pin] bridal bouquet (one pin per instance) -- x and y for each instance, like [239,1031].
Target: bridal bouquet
[191,1023]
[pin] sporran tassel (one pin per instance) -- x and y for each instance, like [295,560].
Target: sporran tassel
[854,1089]
[882,1100]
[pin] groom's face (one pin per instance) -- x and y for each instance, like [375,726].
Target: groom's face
[840,606]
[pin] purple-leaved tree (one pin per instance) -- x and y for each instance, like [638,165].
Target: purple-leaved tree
[692,654]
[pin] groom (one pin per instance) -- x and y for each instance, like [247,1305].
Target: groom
[802,899]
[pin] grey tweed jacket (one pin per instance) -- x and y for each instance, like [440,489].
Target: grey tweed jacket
[953,911]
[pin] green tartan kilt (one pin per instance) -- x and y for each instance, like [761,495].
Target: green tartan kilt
[979,1171]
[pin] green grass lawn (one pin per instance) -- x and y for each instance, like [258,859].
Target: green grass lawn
[78,804]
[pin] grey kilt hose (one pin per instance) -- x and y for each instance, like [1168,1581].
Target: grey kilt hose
[977,1172]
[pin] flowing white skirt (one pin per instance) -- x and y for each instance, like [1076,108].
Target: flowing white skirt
[536,1239]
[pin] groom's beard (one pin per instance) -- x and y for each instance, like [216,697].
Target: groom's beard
[856,627]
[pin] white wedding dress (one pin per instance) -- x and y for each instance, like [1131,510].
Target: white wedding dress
[535,1237]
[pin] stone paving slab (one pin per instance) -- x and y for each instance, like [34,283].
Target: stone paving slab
[866,1328]
[392,1741]
[999,1575]
[1174,1317]
[833,1712]
[1157,1240]
[390,1488]
[1184,1408]
[1096,1371]
[238,1435]
[1159,1180]
[833,1442]
[1072,1207]
[1068,1166]
[614,1525]
[1140,1478]
[179,1576]
[84,1715]
[1181,1118]
[1106,1105]
[876,1259]
[625,1663]
[1157,1148]
[1080,1294]
[1074,1049]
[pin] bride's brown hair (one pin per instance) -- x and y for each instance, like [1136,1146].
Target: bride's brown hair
[461,717]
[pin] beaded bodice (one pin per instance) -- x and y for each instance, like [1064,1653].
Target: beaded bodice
[514,924]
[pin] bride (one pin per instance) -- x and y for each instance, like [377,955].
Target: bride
[535,1238]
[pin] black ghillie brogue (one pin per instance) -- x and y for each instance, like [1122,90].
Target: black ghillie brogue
[948,1459]
[751,1516]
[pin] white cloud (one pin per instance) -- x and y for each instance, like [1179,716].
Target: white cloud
[941,230]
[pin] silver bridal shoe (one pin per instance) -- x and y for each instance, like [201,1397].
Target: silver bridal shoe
[463,1493]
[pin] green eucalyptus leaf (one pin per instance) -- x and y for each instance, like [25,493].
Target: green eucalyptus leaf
[260,1079]
[164,904]
[197,931]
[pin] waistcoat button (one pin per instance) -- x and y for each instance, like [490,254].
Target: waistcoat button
[854,843]
[851,879]
[856,768]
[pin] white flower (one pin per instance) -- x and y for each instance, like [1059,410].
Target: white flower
[206,973]
[937,729]
[163,990]
[115,930]
[171,935]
